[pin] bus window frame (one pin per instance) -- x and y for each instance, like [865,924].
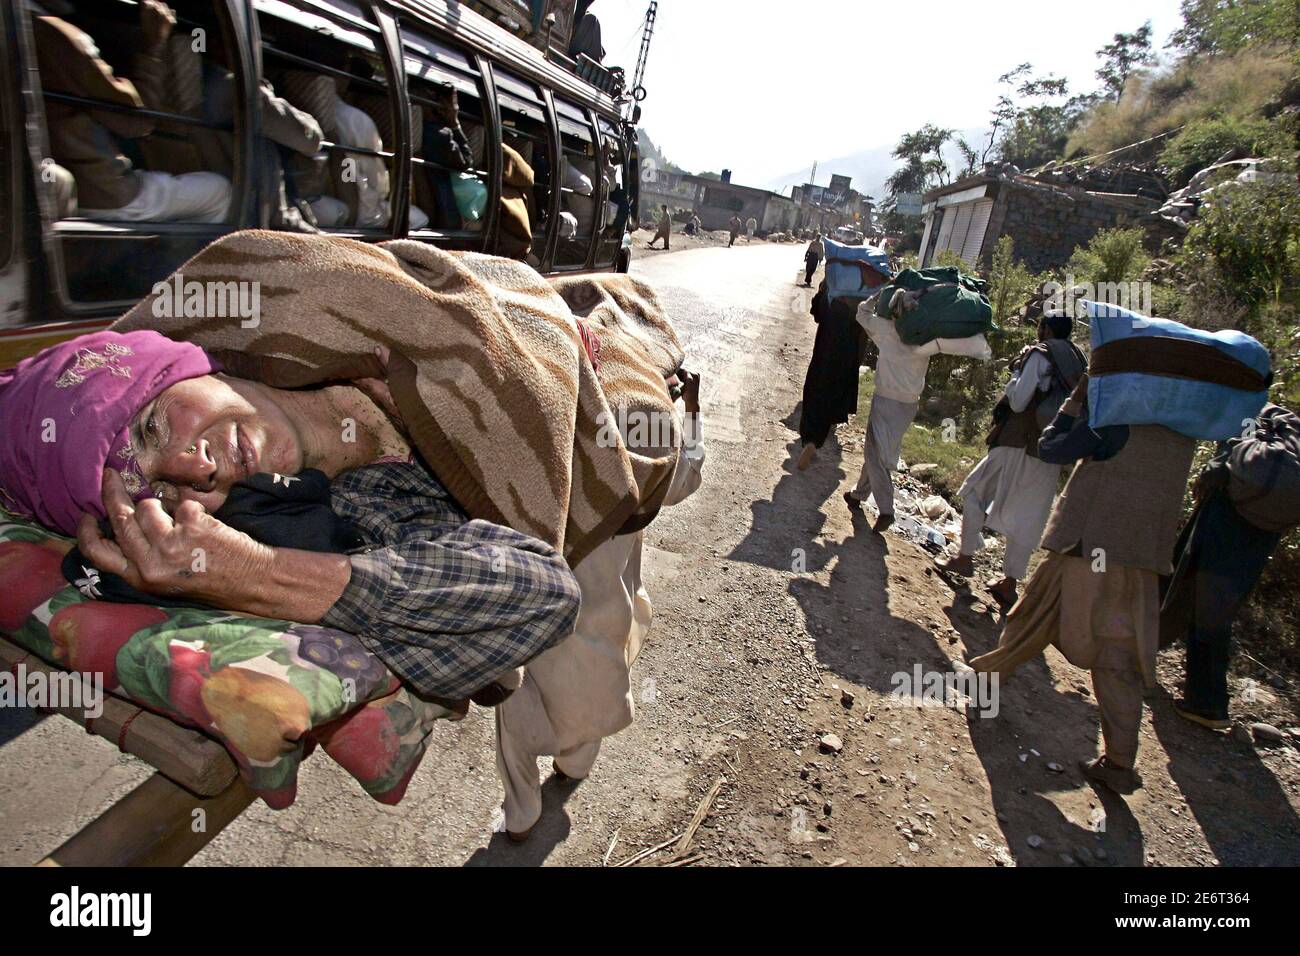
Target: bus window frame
[55,232]
[550,239]
[619,132]
[597,183]
[483,240]
[383,34]
[12,203]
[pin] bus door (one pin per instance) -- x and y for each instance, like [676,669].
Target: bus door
[137,162]
[616,205]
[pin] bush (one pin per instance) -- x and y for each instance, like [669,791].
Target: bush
[1203,141]
[1112,255]
[1246,244]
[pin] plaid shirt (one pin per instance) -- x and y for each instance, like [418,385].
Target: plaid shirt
[448,604]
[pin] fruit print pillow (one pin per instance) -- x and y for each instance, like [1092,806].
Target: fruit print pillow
[269,690]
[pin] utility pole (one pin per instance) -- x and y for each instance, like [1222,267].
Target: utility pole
[638,78]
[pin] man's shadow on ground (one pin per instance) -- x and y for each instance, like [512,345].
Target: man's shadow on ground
[783,530]
[1236,800]
[551,829]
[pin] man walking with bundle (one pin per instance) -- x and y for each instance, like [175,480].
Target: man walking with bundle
[1011,490]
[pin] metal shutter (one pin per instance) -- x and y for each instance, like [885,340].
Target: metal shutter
[981,212]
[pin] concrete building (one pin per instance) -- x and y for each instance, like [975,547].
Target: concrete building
[1046,220]
[715,201]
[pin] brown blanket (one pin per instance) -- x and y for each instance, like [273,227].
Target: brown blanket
[488,368]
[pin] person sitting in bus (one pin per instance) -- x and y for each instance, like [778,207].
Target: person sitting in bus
[446,145]
[579,193]
[284,127]
[85,142]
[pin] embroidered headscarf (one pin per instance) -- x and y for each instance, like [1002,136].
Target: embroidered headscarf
[65,415]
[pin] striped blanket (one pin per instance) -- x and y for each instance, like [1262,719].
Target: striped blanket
[488,367]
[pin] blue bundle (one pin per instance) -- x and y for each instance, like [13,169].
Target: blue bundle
[845,277]
[1149,371]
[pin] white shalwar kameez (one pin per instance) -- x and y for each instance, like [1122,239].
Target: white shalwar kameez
[1010,492]
[580,691]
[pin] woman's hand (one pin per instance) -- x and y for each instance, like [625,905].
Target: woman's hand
[190,554]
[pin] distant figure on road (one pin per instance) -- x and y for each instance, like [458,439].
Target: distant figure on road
[665,230]
[751,226]
[735,225]
[813,258]
[693,227]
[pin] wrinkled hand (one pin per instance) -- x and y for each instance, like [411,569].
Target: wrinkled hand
[156,23]
[190,554]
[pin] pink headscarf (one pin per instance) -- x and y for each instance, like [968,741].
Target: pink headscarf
[65,415]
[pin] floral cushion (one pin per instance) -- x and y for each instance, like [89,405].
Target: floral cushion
[268,690]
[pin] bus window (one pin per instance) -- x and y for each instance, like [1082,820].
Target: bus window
[129,98]
[579,185]
[613,167]
[526,131]
[330,69]
[449,167]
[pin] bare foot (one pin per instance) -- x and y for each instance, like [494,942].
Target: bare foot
[806,457]
[963,565]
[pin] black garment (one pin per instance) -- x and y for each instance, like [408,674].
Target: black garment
[586,38]
[830,388]
[1217,561]
[283,512]
[1066,440]
[812,262]
[448,147]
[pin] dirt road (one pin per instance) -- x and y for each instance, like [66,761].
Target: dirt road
[778,620]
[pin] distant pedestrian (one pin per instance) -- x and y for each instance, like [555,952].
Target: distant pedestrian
[813,258]
[751,226]
[665,230]
[735,225]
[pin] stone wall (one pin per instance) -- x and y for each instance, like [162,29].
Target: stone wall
[1047,223]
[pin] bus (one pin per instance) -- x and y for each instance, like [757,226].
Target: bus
[370,119]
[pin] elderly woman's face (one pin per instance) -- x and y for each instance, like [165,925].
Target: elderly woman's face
[200,436]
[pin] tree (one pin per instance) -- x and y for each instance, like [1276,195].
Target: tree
[1126,53]
[923,162]
[1025,127]
[1216,26]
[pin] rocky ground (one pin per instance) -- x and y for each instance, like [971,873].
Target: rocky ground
[768,695]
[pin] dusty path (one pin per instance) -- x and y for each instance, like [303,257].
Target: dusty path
[770,604]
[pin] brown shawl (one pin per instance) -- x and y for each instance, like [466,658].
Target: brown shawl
[488,367]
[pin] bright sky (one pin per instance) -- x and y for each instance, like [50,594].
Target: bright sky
[766,87]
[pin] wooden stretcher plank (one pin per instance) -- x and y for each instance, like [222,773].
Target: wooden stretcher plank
[156,824]
[194,761]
